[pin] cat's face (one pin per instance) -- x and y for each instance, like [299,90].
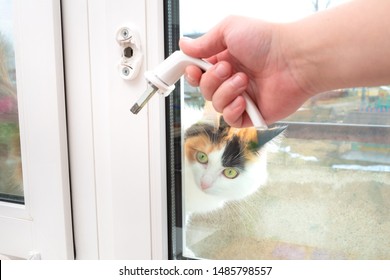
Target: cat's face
[227,162]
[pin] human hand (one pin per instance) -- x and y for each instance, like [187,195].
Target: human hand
[249,55]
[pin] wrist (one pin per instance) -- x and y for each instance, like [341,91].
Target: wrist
[301,61]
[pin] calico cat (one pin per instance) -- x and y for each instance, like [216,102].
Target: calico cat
[223,163]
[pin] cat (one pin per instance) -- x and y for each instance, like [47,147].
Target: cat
[223,163]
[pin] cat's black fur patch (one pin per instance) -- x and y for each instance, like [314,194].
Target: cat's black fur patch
[264,136]
[233,154]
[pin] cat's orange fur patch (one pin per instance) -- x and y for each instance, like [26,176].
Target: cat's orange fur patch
[199,143]
[203,144]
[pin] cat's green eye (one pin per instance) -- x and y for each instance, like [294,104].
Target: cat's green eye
[230,172]
[202,157]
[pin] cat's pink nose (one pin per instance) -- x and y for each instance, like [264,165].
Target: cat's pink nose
[206,182]
[204,185]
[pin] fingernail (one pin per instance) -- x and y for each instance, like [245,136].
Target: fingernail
[187,39]
[222,71]
[238,81]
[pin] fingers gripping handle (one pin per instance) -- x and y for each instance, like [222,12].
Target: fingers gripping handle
[163,78]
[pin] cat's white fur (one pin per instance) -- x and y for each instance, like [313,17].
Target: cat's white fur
[221,189]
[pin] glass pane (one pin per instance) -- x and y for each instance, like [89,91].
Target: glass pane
[11,185]
[327,195]
[323,200]
[350,106]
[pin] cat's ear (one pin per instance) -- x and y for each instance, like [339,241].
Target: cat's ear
[222,123]
[264,136]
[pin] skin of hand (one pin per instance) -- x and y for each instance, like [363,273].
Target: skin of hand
[280,66]
[247,57]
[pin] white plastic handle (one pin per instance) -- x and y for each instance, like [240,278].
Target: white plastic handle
[167,73]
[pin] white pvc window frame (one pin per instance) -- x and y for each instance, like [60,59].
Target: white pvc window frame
[42,228]
[117,159]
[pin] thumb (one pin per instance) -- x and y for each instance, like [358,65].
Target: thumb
[210,44]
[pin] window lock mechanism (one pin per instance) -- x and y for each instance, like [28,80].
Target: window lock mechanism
[131,55]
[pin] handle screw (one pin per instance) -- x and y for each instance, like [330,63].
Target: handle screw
[126,71]
[125,33]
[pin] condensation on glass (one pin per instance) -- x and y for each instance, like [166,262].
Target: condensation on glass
[328,189]
[11,183]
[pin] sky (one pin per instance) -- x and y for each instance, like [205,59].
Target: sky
[198,16]
[6,23]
